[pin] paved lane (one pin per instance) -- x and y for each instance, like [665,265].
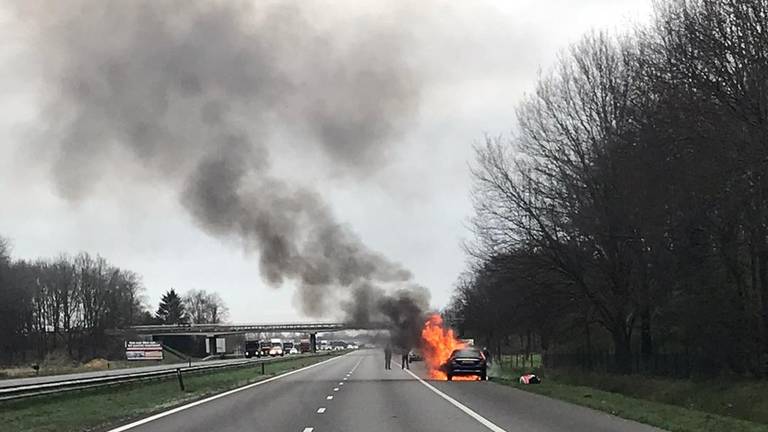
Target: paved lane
[286,404]
[516,410]
[377,400]
[355,393]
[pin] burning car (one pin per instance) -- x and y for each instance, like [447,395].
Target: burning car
[466,361]
[438,343]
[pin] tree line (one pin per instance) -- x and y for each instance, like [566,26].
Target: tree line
[72,304]
[629,211]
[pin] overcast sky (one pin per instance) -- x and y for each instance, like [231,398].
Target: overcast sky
[475,61]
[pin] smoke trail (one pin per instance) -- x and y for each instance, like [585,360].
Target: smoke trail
[405,310]
[193,94]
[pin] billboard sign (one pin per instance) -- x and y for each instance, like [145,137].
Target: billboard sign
[143,350]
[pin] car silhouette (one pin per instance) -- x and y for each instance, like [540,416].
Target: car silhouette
[466,361]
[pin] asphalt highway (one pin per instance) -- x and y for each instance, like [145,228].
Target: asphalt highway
[354,393]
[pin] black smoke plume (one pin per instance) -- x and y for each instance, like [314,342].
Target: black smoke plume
[197,95]
[402,309]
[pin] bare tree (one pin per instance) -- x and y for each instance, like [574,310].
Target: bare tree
[563,191]
[218,311]
[205,308]
[638,177]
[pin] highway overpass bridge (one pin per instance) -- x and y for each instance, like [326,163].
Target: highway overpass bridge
[176,334]
[228,329]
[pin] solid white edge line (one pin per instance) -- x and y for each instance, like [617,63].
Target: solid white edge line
[485,422]
[214,397]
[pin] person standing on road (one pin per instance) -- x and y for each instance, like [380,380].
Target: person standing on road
[405,360]
[487,355]
[388,357]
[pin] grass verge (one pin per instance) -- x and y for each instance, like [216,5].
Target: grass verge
[99,409]
[674,405]
[61,364]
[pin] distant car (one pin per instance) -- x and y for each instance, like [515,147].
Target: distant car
[293,351]
[415,355]
[466,361]
[276,351]
[287,347]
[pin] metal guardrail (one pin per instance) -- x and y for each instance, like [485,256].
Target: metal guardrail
[32,390]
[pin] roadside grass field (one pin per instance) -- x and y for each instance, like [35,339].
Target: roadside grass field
[671,404]
[100,408]
[58,364]
[521,360]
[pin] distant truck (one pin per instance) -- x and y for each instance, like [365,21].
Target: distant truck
[252,348]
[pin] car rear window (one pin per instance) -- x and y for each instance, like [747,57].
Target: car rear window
[466,353]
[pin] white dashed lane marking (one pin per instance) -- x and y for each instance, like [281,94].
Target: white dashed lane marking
[356,365]
[329,397]
[308,429]
[218,396]
[335,389]
[320,410]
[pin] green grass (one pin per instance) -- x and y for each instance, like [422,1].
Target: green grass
[518,360]
[671,404]
[59,364]
[99,408]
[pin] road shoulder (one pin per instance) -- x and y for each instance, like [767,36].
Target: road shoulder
[660,415]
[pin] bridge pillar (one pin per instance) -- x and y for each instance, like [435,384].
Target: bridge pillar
[313,341]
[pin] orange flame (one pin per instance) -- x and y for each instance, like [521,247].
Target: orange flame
[438,343]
